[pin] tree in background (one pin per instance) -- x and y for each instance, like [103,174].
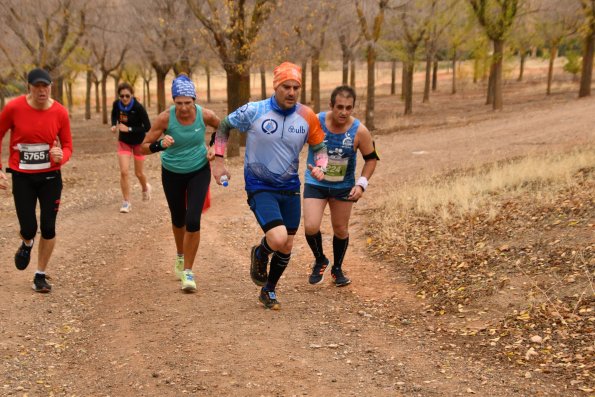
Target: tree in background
[233,29]
[48,32]
[588,32]
[440,15]
[496,18]
[556,22]
[458,40]
[371,35]
[311,29]
[413,22]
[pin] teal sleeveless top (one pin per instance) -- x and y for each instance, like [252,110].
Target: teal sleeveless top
[188,153]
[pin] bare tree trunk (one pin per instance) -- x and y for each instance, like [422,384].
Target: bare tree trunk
[370,97]
[148,87]
[587,70]
[428,80]
[454,74]
[104,99]
[352,72]
[550,70]
[345,69]
[160,73]
[435,76]
[345,54]
[116,82]
[263,83]
[303,95]
[69,97]
[475,70]
[88,95]
[316,81]
[408,86]
[490,94]
[393,77]
[97,83]
[208,73]
[145,93]
[522,68]
[403,81]
[498,83]
[238,94]
[58,89]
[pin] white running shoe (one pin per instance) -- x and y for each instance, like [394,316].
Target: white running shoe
[147,193]
[126,207]
[188,283]
[179,267]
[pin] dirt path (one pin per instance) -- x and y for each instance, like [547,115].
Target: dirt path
[117,323]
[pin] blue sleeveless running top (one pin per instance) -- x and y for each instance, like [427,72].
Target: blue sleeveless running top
[188,153]
[340,172]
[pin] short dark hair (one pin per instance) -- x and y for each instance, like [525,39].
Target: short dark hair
[125,86]
[344,90]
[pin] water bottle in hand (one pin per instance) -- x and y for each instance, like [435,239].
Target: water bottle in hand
[224,180]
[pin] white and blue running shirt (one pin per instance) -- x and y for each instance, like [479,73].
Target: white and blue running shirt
[274,141]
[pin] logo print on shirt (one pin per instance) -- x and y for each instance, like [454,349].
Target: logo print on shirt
[269,126]
[300,130]
[347,142]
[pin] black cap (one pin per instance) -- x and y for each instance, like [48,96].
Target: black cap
[39,76]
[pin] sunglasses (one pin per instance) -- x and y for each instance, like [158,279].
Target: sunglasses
[124,96]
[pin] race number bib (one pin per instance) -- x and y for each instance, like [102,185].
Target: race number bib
[34,156]
[336,169]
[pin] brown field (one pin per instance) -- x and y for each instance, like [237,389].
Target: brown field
[117,324]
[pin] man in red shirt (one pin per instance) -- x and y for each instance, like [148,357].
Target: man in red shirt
[40,143]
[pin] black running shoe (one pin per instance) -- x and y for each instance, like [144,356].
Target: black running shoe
[40,284]
[23,256]
[318,270]
[258,268]
[269,299]
[339,278]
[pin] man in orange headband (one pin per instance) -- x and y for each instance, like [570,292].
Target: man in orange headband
[277,129]
[287,71]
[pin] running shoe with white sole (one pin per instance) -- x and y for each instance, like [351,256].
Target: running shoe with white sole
[339,278]
[188,283]
[318,271]
[147,193]
[126,207]
[40,284]
[179,266]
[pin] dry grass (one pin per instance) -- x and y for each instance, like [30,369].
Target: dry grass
[466,192]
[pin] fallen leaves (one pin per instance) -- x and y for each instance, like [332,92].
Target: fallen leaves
[533,263]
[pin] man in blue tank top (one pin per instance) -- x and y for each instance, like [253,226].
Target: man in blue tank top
[185,171]
[344,136]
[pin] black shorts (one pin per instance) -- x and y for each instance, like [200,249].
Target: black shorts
[186,195]
[27,189]
[322,193]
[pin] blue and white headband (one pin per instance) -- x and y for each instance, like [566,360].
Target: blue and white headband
[183,86]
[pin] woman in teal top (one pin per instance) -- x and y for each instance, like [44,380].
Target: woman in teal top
[185,172]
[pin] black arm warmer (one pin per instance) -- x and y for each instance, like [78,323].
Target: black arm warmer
[156,147]
[372,155]
[212,141]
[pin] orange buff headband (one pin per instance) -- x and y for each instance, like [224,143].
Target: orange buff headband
[286,71]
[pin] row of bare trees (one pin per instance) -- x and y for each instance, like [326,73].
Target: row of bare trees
[146,39]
